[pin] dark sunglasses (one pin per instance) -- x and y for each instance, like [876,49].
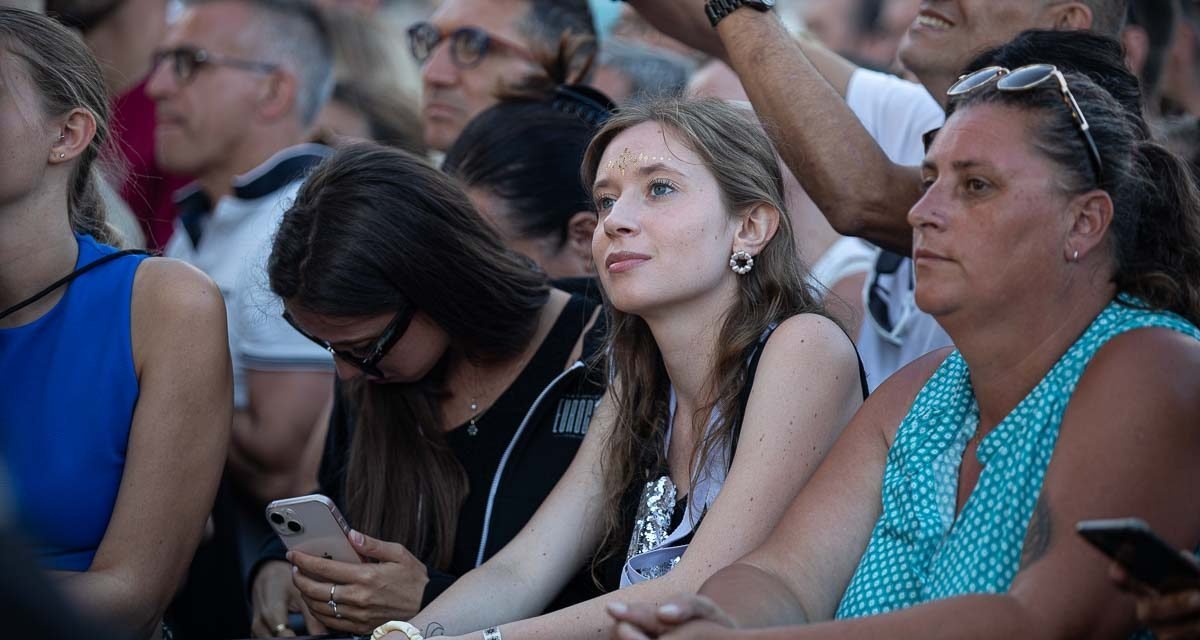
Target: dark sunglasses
[468,45]
[379,348]
[186,61]
[1023,79]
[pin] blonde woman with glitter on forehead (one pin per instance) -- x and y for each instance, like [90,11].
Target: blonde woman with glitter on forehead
[729,383]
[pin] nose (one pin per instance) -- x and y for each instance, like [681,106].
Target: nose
[927,213]
[161,82]
[621,221]
[439,69]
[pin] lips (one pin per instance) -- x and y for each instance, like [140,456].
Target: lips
[926,255]
[932,20]
[621,261]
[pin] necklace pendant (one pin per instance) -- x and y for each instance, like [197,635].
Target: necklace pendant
[472,430]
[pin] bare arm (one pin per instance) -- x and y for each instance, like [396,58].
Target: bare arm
[176,450]
[792,419]
[1127,446]
[270,436]
[799,88]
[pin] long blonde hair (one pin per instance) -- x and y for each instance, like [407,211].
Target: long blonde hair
[735,149]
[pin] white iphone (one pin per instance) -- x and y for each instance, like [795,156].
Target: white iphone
[312,524]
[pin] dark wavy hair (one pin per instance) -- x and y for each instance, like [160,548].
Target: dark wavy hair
[374,229]
[1155,232]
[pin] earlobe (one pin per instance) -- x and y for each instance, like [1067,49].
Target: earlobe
[1093,212]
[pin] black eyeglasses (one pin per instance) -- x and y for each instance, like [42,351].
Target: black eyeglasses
[379,348]
[1023,79]
[186,61]
[468,45]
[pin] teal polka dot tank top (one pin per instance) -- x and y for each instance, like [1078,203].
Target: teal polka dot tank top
[918,550]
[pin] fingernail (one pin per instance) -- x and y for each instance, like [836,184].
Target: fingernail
[669,610]
[356,537]
[617,608]
[288,556]
[295,568]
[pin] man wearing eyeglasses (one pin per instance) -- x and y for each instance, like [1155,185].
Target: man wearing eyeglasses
[237,86]
[469,48]
[853,137]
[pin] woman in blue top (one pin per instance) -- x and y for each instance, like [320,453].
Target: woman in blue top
[115,399]
[1065,263]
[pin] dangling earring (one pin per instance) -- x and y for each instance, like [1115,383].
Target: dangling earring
[741,262]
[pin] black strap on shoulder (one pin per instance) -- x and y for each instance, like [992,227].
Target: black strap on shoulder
[744,396]
[68,278]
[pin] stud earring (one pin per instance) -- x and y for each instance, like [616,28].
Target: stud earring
[741,262]
[61,156]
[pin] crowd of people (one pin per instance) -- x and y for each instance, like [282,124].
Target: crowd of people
[707,319]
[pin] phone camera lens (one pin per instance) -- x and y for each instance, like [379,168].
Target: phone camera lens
[277,518]
[294,526]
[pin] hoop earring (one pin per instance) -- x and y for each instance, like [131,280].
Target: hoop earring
[741,262]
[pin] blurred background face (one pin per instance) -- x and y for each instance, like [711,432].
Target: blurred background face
[201,121]
[453,95]
[948,33]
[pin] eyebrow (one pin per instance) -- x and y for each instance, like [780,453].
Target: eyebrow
[644,171]
[957,165]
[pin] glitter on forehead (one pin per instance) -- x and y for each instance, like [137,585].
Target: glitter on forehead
[627,160]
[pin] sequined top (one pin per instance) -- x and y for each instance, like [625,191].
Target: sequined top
[919,550]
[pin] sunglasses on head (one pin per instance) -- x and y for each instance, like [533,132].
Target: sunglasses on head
[1024,79]
[368,363]
[468,45]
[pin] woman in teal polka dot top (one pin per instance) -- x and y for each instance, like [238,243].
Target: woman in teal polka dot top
[1065,263]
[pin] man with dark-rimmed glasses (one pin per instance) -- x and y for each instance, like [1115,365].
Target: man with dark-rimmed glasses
[237,86]
[469,48]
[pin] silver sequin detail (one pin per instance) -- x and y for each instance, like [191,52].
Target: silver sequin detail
[653,523]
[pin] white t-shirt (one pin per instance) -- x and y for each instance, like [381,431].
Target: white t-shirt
[896,113]
[233,251]
[845,257]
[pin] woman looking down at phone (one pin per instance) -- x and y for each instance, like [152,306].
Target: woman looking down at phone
[730,382]
[116,397]
[462,395]
[1065,264]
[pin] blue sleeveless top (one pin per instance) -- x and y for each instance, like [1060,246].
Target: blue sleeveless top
[919,550]
[66,403]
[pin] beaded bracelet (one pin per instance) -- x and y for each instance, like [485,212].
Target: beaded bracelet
[407,629]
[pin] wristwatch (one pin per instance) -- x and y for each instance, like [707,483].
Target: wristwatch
[716,10]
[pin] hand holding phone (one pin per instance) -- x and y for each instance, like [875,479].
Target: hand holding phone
[1145,556]
[312,524]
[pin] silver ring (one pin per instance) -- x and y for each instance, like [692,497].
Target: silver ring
[333,605]
[332,588]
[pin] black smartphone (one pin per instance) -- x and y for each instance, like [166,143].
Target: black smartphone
[1146,557]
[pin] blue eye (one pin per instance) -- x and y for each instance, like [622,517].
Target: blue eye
[604,203]
[660,188]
